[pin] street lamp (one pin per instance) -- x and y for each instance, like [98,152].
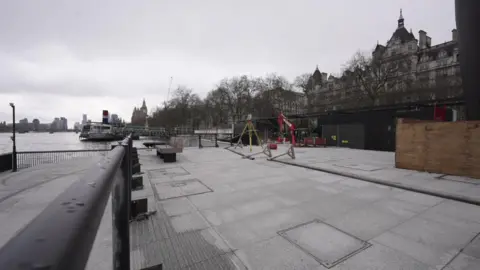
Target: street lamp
[14,150]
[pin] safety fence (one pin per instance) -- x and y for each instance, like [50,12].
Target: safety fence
[26,159]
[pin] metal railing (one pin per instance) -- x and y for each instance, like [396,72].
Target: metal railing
[62,235]
[26,159]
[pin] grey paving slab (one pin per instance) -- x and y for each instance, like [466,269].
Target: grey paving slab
[419,198]
[238,235]
[380,257]
[400,208]
[366,223]
[178,206]
[267,225]
[473,248]
[373,193]
[189,222]
[427,254]
[222,215]
[277,253]
[445,217]
[459,210]
[331,206]
[433,233]
[380,167]
[328,245]
[180,188]
[464,262]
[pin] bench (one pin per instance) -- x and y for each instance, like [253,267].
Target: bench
[153,144]
[168,153]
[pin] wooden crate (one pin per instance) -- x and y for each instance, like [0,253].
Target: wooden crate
[439,147]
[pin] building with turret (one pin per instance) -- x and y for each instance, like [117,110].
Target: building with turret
[405,69]
[139,115]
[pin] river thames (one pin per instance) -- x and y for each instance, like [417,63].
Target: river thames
[46,142]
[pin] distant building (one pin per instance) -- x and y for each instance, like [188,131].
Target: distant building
[77,126]
[55,124]
[114,119]
[36,124]
[84,119]
[59,124]
[279,100]
[139,116]
[23,125]
[63,124]
[430,72]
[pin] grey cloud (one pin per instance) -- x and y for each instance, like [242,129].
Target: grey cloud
[129,49]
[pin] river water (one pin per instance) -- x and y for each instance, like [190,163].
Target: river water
[47,142]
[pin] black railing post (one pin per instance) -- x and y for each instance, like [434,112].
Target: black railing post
[121,212]
[14,140]
[200,141]
[216,142]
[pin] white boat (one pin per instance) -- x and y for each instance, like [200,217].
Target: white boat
[98,132]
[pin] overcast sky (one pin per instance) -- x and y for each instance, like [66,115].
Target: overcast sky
[65,58]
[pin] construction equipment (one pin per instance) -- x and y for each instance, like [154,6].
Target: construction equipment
[249,127]
[283,120]
[251,131]
[290,152]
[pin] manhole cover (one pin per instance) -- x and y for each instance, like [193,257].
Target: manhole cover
[178,184]
[169,172]
[328,245]
[176,189]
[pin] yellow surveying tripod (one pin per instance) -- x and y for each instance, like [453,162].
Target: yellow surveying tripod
[251,131]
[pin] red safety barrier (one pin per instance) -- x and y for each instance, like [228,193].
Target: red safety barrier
[273,146]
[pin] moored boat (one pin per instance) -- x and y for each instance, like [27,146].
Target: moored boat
[98,132]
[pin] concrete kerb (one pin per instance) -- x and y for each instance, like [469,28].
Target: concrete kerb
[444,195]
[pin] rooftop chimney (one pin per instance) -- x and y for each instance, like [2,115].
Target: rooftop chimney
[324,76]
[454,35]
[422,41]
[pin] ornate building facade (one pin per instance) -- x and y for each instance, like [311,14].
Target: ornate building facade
[139,115]
[277,100]
[405,69]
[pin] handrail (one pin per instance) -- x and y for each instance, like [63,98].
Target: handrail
[63,151]
[62,235]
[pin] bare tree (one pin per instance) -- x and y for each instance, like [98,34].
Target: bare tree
[374,76]
[304,83]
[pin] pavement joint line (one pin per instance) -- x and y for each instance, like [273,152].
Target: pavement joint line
[444,195]
[461,250]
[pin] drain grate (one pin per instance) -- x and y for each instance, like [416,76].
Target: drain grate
[327,244]
[176,189]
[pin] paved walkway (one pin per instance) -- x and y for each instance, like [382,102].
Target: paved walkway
[273,216]
[24,194]
[379,167]
[216,209]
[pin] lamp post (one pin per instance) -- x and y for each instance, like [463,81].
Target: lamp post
[14,150]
